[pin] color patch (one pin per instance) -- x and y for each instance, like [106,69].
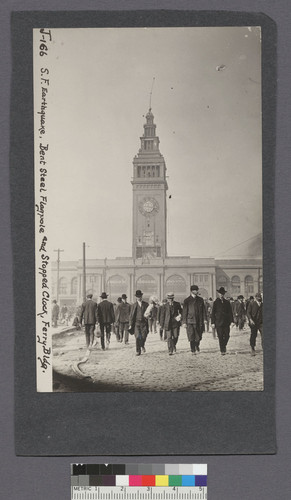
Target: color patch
[171,469]
[199,469]
[135,480]
[162,480]
[122,480]
[200,480]
[96,481]
[149,480]
[175,480]
[108,480]
[188,480]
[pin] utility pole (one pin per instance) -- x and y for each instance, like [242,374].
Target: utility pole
[84,272]
[58,271]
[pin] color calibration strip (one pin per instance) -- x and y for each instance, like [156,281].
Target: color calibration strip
[138,481]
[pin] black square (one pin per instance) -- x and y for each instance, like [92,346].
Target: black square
[118,469]
[79,470]
[105,469]
[93,469]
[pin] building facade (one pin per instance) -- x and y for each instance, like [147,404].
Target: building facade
[150,269]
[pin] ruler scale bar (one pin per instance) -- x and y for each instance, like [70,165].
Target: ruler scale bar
[138,493]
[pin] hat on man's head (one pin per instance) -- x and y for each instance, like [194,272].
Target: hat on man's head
[240,297]
[89,296]
[170,295]
[258,295]
[194,287]
[124,296]
[103,295]
[138,293]
[221,290]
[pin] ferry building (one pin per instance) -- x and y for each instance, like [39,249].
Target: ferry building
[150,268]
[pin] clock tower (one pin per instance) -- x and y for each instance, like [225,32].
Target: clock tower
[149,236]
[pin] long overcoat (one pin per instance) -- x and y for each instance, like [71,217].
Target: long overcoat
[221,313]
[89,312]
[132,317]
[255,312]
[168,315]
[106,312]
[194,313]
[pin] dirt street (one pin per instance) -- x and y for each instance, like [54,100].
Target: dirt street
[119,369]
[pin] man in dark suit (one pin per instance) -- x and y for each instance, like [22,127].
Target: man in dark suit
[122,318]
[160,312]
[255,316]
[194,315]
[221,318]
[106,318]
[170,321]
[138,323]
[240,312]
[89,313]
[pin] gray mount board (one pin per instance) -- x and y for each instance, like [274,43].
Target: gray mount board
[130,423]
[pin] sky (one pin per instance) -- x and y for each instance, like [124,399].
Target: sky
[206,102]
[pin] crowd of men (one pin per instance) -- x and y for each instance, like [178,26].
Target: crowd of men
[195,315]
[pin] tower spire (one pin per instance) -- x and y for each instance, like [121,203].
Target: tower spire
[150,107]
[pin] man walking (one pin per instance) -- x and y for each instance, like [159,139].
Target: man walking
[160,312]
[170,320]
[222,318]
[89,313]
[55,313]
[122,318]
[240,312]
[193,318]
[138,323]
[116,324]
[152,318]
[106,318]
[255,316]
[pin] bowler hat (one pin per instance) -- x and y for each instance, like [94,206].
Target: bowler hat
[194,287]
[221,290]
[124,296]
[138,293]
[103,295]
[170,295]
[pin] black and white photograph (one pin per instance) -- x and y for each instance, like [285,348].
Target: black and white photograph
[148,209]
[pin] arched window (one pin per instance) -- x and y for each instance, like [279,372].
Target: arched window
[74,286]
[235,285]
[62,286]
[116,286]
[249,285]
[148,285]
[177,285]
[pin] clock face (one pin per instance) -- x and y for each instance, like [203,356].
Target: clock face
[148,206]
